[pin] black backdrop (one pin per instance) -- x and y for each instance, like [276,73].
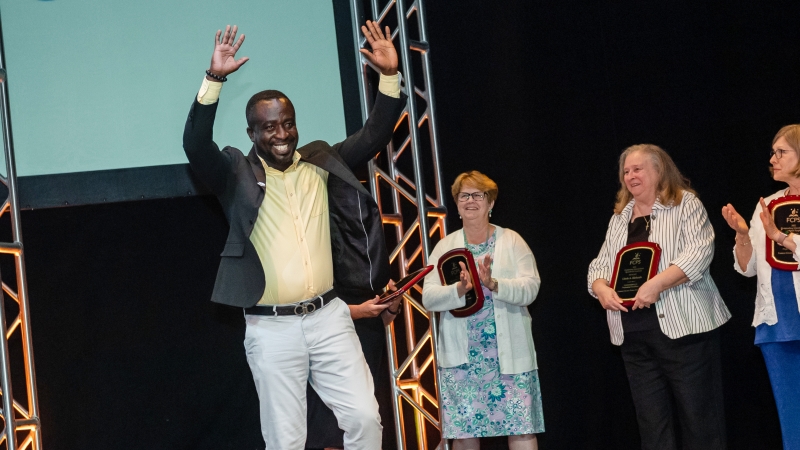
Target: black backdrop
[541,97]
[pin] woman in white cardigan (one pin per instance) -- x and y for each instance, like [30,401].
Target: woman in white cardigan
[487,362]
[777,312]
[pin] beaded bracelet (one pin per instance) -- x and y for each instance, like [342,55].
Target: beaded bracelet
[216,77]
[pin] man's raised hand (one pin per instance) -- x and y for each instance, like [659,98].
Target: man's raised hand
[383,56]
[223,60]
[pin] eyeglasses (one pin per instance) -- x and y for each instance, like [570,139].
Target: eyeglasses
[477,196]
[778,153]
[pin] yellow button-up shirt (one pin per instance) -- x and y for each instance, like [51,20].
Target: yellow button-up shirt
[292,233]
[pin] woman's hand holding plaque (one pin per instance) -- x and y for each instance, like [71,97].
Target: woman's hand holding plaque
[458,267]
[647,294]
[464,282]
[608,297]
[780,219]
[635,265]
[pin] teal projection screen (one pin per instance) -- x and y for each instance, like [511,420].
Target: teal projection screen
[106,84]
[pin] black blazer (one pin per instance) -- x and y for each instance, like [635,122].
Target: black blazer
[360,258]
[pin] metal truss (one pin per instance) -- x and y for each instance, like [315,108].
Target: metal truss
[20,414]
[398,179]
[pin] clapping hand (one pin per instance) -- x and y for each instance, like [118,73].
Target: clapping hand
[383,56]
[735,220]
[464,284]
[770,228]
[743,248]
[485,271]
[223,61]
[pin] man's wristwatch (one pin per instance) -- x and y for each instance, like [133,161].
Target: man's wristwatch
[496,286]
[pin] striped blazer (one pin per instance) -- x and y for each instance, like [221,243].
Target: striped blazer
[687,240]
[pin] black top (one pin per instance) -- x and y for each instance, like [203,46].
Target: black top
[640,319]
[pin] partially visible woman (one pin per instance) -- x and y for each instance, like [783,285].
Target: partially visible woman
[671,351]
[487,362]
[777,312]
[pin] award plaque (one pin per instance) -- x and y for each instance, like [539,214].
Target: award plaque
[450,273]
[635,264]
[404,284]
[784,212]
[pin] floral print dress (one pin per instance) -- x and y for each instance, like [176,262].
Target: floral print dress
[477,400]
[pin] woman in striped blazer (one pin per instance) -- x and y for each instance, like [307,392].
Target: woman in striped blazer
[669,339]
[777,312]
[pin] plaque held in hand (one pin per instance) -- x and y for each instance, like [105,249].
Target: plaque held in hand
[784,212]
[404,284]
[450,273]
[635,264]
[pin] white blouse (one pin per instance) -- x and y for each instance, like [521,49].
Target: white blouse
[686,238]
[758,265]
[518,284]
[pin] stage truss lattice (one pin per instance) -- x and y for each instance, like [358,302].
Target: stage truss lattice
[20,412]
[406,182]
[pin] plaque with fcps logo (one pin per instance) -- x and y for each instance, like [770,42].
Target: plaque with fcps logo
[450,273]
[785,213]
[635,264]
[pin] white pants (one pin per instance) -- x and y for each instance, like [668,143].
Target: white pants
[286,352]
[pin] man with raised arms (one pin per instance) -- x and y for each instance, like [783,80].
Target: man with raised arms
[305,237]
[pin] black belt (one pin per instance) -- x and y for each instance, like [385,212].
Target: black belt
[295,309]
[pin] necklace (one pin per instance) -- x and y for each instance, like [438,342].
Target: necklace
[646,221]
[477,249]
[480,249]
[788,192]
[464,233]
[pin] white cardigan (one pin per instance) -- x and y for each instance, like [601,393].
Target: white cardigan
[515,270]
[758,265]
